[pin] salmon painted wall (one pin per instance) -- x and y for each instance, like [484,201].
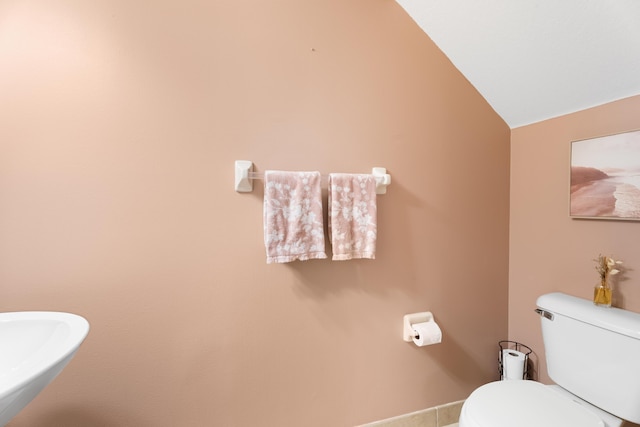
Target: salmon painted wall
[549,251]
[120,123]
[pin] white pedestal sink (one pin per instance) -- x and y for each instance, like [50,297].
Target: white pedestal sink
[34,347]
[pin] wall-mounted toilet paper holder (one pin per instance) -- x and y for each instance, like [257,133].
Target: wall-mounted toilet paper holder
[411,319]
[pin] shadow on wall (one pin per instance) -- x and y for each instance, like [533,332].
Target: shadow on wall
[76,417]
[533,365]
[451,356]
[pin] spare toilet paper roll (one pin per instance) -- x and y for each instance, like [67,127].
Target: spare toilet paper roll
[426,333]
[512,364]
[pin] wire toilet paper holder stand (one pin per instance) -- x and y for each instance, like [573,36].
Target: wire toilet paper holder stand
[514,345]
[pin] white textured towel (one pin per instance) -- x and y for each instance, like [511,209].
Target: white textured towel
[293,225]
[352,216]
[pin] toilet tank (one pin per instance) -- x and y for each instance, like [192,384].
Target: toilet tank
[593,352]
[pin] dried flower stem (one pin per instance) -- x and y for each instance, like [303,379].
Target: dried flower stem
[605,267]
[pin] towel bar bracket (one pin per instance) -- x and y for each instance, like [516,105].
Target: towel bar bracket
[244,177]
[383,179]
[244,183]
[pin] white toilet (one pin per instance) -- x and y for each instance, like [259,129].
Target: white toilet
[593,355]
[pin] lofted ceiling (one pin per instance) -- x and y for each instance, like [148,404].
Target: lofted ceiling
[537,59]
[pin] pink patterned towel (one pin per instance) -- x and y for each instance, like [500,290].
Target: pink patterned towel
[293,226]
[352,216]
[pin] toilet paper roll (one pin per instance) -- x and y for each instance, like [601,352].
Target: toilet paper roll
[426,333]
[512,364]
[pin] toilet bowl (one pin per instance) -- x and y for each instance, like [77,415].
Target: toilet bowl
[530,404]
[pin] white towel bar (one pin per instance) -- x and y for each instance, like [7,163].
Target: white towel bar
[245,176]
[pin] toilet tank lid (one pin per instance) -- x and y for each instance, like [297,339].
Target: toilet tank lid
[614,319]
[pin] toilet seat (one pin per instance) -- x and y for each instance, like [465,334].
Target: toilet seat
[523,404]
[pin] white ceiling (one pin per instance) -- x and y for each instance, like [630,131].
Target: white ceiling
[537,59]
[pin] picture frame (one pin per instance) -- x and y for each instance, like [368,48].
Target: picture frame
[605,177]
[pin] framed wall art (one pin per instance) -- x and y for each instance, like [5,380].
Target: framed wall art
[605,177]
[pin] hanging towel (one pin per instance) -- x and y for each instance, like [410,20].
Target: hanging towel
[352,216]
[293,225]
